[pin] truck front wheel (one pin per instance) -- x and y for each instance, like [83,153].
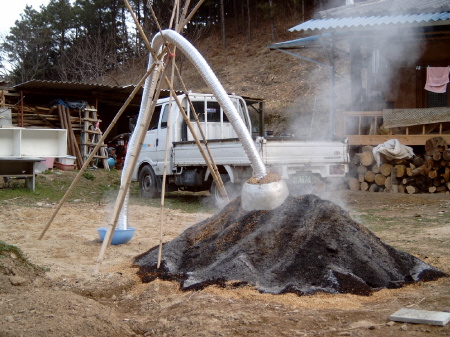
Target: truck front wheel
[148,187]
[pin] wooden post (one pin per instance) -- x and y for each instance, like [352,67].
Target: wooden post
[74,140]
[394,182]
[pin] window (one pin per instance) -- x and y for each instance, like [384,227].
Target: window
[212,112]
[155,118]
[165,116]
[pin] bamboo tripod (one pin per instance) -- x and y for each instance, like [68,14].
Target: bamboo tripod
[158,77]
[157,70]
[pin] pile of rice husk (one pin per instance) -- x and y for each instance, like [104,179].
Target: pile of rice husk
[304,246]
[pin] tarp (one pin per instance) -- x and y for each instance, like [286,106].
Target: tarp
[392,149]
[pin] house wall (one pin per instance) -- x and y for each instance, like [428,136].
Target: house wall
[406,87]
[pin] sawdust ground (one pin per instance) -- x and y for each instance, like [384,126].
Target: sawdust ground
[71,300]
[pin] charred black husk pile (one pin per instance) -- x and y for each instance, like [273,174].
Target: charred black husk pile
[303,246]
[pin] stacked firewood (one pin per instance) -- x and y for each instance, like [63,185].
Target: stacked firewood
[428,173]
[46,118]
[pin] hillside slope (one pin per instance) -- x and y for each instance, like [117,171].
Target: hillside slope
[296,91]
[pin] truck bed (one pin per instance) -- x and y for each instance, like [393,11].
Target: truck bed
[274,151]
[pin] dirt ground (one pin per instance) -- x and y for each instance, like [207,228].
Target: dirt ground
[70,300]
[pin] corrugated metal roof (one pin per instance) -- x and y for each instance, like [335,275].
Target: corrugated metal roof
[428,19]
[314,40]
[385,8]
[73,86]
[83,88]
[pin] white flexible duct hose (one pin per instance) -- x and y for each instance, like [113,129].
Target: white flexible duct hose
[210,78]
[123,216]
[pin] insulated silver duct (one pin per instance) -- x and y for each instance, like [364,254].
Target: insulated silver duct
[219,92]
[145,103]
[210,78]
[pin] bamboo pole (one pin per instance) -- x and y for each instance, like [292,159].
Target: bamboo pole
[213,168]
[166,157]
[194,134]
[154,90]
[66,126]
[209,162]
[179,27]
[215,171]
[91,156]
[175,12]
[191,14]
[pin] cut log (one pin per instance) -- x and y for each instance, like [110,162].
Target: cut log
[375,169]
[366,158]
[356,159]
[400,161]
[432,189]
[412,189]
[364,186]
[446,155]
[361,178]
[374,188]
[409,171]
[408,181]
[417,161]
[424,169]
[446,174]
[433,174]
[380,179]
[400,171]
[437,155]
[401,188]
[418,171]
[361,169]
[423,182]
[435,143]
[385,169]
[367,148]
[441,189]
[438,182]
[369,176]
[388,183]
[354,184]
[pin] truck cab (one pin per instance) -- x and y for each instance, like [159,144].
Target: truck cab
[171,129]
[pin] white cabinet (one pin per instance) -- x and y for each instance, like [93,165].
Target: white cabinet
[20,142]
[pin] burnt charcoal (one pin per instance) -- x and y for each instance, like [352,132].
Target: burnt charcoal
[304,246]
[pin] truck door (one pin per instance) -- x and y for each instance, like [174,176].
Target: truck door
[161,141]
[148,151]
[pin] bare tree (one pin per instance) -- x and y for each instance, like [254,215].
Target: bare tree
[87,61]
[222,21]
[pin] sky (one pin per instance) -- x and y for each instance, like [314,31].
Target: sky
[11,10]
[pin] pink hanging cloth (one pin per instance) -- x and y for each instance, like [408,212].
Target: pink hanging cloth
[437,79]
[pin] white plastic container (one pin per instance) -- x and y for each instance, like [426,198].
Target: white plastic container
[67,160]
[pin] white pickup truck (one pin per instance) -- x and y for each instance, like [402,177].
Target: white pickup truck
[303,164]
